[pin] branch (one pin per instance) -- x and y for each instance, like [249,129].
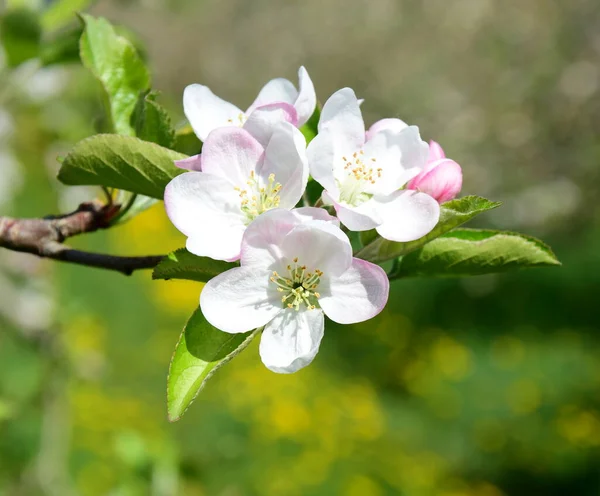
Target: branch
[45,237]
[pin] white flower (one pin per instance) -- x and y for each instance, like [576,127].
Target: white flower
[362,173]
[206,111]
[296,267]
[240,179]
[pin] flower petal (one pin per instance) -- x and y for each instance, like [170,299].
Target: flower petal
[307,99]
[193,163]
[321,157]
[240,300]
[231,153]
[393,125]
[360,218]
[341,115]
[291,340]
[261,245]
[435,151]
[276,90]
[357,295]
[262,122]
[225,246]
[318,245]
[285,157]
[263,237]
[305,214]
[206,111]
[206,209]
[399,155]
[407,215]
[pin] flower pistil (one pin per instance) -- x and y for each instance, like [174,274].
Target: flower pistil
[299,287]
[257,199]
[360,173]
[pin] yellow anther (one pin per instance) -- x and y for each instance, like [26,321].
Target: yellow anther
[299,288]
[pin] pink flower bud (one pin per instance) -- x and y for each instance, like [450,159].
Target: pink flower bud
[441,179]
[435,151]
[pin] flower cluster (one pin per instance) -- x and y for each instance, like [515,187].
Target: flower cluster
[239,198]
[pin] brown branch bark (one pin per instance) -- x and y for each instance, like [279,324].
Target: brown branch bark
[45,237]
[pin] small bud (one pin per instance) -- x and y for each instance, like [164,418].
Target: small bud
[435,151]
[441,179]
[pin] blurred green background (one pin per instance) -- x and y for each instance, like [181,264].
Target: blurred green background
[486,386]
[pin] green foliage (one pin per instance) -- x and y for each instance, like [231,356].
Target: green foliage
[20,34]
[367,237]
[152,122]
[201,351]
[62,48]
[187,142]
[121,162]
[61,12]
[311,128]
[453,214]
[116,64]
[181,264]
[469,252]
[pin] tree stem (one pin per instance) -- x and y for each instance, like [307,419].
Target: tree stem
[45,237]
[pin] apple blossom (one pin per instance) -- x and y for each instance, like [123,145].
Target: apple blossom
[296,267]
[240,179]
[441,178]
[363,174]
[206,111]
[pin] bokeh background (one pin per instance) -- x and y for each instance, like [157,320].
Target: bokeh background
[486,386]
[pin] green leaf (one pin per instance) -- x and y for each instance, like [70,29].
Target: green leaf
[116,64]
[310,129]
[181,264]
[20,34]
[453,214]
[152,122]
[62,48]
[187,142]
[201,351]
[313,192]
[120,162]
[469,252]
[367,237]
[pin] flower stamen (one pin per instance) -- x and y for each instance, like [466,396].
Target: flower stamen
[258,197]
[299,287]
[359,175]
[241,120]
